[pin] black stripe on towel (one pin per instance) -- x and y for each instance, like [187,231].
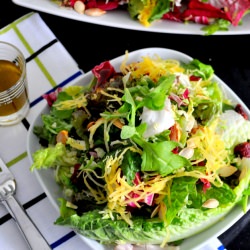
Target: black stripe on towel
[31,57]
[27,205]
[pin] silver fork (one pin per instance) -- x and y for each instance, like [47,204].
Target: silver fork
[31,234]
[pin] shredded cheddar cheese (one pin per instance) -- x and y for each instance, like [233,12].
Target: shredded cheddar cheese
[154,68]
[93,126]
[212,148]
[115,98]
[78,102]
[92,129]
[119,191]
[146,12]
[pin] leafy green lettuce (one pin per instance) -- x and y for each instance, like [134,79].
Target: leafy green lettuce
[153,9]
[52,156]
[187,222]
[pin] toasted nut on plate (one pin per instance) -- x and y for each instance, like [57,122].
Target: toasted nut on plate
[79,7]
[94,12]
[211,203]
[227,171]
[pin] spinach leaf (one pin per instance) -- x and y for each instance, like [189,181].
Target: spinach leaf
[131,164]
[158,156]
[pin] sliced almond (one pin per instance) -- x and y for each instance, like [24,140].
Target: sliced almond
[95,12]
[187,152]
[79,7]
[211,203]
[227,171]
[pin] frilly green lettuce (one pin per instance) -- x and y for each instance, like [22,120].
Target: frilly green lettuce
[53,156]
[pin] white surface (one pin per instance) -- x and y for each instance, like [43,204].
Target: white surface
[121,19]
[46,177]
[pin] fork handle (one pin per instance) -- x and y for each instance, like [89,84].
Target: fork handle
[31,234]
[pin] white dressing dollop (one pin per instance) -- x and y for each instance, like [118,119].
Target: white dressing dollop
[157,120]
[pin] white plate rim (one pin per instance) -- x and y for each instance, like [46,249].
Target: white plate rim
[51,189]
[121,19]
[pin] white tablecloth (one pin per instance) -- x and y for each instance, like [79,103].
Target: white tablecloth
[48,65]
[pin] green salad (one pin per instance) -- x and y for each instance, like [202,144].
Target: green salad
[213,15]
[147,154]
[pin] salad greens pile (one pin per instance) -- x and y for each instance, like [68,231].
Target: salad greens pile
[149,154]
[213,15]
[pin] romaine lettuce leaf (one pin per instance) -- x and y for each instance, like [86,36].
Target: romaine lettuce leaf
[51,156]
[150,231]
[187,222]
[148,11]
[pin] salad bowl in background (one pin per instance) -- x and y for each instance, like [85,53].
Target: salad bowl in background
[197,237]
[119,18]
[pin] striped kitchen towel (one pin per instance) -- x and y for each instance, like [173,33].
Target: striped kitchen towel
[49,66]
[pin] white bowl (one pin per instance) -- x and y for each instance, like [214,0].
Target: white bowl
[121,19]
[216,226]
